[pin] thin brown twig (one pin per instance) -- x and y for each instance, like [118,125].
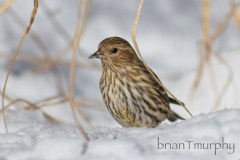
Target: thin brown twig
[205,43]
[48,62]
[31,106]
[134,31]
[228,81]
[17,101]
[6,96]
[212,77]
[208,41]
[5,6]
[61,57]
[39,43]
[56,24]
[35,106]
[76,40]
[85,17]
[34,35]
[34,11]
[206,27]
[236,14]
[223,24]
[200,71]
[61,101]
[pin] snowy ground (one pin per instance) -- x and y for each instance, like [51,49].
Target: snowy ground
[167,36]
[214,136]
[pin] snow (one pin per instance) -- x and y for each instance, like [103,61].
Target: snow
[40,139]
[167,35]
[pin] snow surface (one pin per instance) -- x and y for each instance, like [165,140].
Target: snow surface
[168,34]
[33,137]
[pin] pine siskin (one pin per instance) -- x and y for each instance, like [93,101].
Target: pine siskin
[131,95]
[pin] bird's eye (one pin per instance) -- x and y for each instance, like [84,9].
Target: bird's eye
[114,50]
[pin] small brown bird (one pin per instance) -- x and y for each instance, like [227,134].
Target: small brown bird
[130,93]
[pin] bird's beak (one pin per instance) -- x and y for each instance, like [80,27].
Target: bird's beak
[97,54]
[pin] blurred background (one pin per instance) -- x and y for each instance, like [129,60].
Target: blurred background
[193,46]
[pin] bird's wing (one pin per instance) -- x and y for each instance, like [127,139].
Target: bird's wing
[159,87]
[163,92]
[170,99]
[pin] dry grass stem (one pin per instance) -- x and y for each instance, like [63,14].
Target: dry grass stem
[39,43]
[47,63]
[5,6]
[56,24]
[227,83]
[6,96]
[81,23]
[237,18]
[34,11]
[34,35]
[212,77]
[134,29]
[222,24]
[134,32]
[200,71]
[204,47]
[206,27]
[207,44]
[236,13]
[19,100]
[33,106]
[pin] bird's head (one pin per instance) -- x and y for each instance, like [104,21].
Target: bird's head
[115,50]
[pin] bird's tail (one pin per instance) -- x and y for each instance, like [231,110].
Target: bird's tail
[172,116]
